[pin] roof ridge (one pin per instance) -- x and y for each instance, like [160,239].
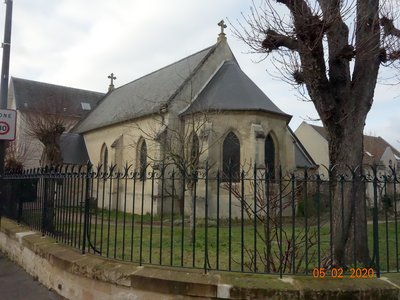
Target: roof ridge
[54,85]
[390,145]
[315,125]
[209,49]
[365,136]
[30,95]
[199,65]
[169,65]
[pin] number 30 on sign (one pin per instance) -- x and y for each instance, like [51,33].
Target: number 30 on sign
[4,128]
[8,119]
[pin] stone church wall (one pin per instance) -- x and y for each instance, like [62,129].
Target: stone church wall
[218,125]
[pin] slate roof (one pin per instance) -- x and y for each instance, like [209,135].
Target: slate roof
[32,95]
[145,95]
[231,89]
[377,146]
[73,149]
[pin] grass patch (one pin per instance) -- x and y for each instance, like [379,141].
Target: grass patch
[165,240]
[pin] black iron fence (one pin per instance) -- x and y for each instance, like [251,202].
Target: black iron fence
[255,222]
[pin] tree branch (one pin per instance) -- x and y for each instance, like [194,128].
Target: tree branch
[275,40]
[297,7]
[391,35]
[340,52]
[368,59]
[395,55]
[389,28]
[307,25]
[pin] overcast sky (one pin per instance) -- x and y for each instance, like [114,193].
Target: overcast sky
[78,43]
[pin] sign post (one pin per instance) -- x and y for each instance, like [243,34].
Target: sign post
[5,68]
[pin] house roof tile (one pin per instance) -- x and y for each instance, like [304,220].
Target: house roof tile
[32,95]
[374,147]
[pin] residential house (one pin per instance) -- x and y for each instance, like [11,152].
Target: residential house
[38,101]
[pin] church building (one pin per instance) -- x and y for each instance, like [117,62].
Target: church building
[206,92]
[202,108]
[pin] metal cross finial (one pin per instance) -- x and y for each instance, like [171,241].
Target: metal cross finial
[222,25]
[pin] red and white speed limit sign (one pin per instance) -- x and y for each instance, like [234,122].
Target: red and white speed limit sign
[4,128]
[8,120]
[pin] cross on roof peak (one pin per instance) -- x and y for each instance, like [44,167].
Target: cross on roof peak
[221,36]
[222,25]
[112,77]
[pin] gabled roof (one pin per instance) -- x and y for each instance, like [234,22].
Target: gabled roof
[145,95]
[374,146]
[231,89]
[32,95]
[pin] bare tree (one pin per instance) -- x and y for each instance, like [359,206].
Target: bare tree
[181,146]
[183,141]
[333,51]
[46,123]
[47,129]
[283,248]
[15,156]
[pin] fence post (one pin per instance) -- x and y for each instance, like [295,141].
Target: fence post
[45,200]
[206,262]
[86,214]
[2,195]
[375,222]
[280,223]
[19,216]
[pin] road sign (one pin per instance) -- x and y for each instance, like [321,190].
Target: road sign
[8,121]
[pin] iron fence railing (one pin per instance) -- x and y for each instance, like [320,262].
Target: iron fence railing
[255,222]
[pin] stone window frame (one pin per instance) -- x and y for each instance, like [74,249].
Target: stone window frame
[275,143]
[142,158]
[104,153]
[236,165]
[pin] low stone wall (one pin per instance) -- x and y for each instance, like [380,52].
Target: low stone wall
[87,277]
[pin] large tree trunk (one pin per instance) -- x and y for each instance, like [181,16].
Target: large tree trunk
[343,103]
[339,67]
[350,242]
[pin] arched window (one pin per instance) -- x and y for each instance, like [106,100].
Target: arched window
[104,157]
[231,158]
[194,150]
[269,156]
[143,160]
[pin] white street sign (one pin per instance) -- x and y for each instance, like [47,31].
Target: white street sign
[8,120]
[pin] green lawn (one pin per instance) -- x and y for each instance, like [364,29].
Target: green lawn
[239,247]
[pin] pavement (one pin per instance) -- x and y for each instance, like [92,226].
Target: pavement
[16,284]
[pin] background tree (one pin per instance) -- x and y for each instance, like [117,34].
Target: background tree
[47,129]
[46,123]
[333,50]
[15,157]
[181,147]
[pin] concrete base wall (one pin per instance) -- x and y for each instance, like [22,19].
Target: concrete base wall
[88,277]
[77,276]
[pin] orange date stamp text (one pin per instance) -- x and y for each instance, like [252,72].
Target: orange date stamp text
[338,273]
